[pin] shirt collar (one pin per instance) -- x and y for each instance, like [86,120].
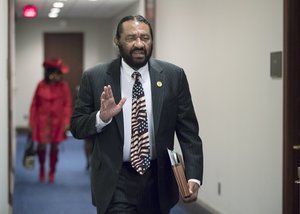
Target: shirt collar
[128,70]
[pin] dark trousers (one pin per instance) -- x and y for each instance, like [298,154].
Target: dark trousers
[135,193]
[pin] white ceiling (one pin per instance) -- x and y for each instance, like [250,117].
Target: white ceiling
[76,8]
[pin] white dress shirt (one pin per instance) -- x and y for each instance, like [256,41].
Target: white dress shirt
[126,91]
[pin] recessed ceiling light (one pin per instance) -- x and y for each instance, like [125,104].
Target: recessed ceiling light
[58,4]
[55,10]
[52,15]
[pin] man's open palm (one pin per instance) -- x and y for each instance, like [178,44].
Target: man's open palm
[109,108]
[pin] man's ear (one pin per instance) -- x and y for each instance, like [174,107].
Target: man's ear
[116,41]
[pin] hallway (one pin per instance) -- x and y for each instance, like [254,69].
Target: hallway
[224,47]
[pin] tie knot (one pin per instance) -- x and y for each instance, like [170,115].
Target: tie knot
[136,75]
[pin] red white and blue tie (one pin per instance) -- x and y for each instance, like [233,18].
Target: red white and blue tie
[140,146]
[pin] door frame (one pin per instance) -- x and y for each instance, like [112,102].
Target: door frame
[291,53]
[10,125]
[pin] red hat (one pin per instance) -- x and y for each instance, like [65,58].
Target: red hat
[56,63]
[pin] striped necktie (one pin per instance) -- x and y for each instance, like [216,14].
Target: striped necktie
[140,146]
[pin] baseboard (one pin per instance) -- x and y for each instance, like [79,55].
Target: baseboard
[22,130]
[198,207]
[207,207]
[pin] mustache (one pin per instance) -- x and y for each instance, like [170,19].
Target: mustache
[138,49]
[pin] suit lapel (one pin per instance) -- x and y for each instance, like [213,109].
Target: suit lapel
[157,90]
[113,74]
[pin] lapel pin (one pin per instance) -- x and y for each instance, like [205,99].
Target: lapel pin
[159,84]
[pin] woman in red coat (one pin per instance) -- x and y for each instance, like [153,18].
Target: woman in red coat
[50,114]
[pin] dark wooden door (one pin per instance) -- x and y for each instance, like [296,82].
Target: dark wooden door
[68,47]
[291,175]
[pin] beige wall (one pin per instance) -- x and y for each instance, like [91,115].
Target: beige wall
[224,47]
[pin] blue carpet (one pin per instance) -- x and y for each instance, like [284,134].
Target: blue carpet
[71,191]
[69,194]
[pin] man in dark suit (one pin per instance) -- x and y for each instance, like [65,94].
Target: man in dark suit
[103,111]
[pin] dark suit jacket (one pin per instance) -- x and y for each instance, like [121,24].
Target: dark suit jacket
[173,112]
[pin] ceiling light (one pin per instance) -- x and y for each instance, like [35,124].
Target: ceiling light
[58,4]
[52,15]
[55,10]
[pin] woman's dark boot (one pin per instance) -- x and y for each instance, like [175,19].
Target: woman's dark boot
[41,155]
[53,161]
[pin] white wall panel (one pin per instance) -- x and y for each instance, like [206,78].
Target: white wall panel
[224,47]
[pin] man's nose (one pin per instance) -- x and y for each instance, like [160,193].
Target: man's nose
[138,43]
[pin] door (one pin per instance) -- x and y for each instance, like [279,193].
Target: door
[291,162]
[68,47]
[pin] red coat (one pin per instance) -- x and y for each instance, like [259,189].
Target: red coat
[50,112]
